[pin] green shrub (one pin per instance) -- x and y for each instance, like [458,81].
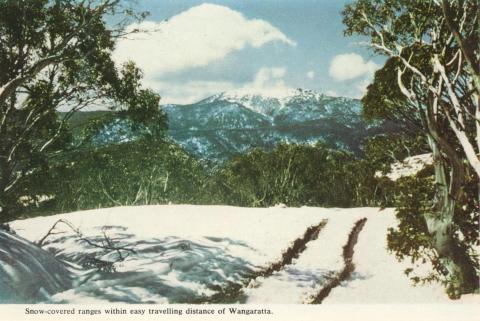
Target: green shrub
[135,173]
[410,239]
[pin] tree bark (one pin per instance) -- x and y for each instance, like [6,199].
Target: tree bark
[5,206]
[468,51]
[458,267]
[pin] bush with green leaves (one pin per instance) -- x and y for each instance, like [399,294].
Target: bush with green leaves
[411,239]
[58,55]
[431,82]
[134,173]
[295,175]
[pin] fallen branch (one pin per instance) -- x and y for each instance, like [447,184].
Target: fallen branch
[106,244]
[40,242]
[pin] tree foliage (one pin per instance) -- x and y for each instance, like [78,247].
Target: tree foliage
[434,63]
[296,175]
[434,45]
[142,172]
[57,54]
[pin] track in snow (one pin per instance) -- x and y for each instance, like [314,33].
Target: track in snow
[294,251]
[343,275]
[221,254]
[234,292]
[327,258]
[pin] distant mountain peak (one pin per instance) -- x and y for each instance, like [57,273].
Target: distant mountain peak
[280,95]
[251,97]
[266,103]
[223,125]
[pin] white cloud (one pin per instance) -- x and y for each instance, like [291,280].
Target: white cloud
[269,76]
[190,91]
[331,93]
[194,38]
[361,88]
[350,66]
[268,81]
[311,74]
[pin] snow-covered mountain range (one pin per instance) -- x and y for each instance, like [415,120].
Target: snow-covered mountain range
[229,123]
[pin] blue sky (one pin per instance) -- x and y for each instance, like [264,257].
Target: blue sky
[194,49]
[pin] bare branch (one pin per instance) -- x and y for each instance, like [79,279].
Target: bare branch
[107,245]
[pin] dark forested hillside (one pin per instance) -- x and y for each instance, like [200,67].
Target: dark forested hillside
[225,125]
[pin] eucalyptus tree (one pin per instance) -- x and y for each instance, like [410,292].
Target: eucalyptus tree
[431,81]
[58,54]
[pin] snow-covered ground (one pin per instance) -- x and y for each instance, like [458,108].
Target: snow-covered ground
[196,254]
[322,257]
[378,277]
[408,167]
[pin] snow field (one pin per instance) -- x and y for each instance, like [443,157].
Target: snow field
[183,253]
[378,277]
[297,282]
[188,254]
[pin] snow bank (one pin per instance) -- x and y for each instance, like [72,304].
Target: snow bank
[322,257]
[378,276]
[408,167]
[28,273]
[270,230]
[189,254]
[183,253]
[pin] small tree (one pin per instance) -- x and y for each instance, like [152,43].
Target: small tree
[296,175]
[434,63]
[57,54]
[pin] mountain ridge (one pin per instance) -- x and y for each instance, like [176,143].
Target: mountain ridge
[229,123]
